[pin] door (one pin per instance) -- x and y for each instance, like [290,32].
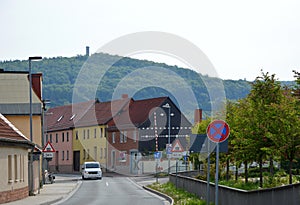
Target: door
[76,161]
[113,159]
[56,161]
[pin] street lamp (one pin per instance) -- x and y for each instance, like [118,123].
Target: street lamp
[169,130]
[33,58]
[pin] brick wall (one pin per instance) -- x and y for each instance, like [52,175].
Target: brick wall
[13,195]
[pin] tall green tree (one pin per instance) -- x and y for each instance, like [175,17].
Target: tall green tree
[285,128]
[266,91]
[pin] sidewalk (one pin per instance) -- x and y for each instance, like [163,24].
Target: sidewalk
[63,187]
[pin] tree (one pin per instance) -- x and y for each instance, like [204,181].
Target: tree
[285,128]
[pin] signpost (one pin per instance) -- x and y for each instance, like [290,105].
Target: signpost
[48,152]
[217,131]
[177,152]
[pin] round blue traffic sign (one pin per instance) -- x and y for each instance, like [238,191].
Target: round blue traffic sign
[218,131]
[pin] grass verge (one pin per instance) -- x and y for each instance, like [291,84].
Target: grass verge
[179,196]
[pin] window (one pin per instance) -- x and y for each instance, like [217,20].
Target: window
[63,155]
[121,137]
[22,168]
[88,134]
[59,119]
[9,166]
[95,153]
[125,136]
[72,117]
[101,153]
[50,138]
[105,153]
[67,136]
[16,167]
[83,134]
[67,154]
[84,153]
[46,137]
[100,131]
[95,133]
[56,138]
[88,153]
[76,135]
[113,137]
[134,135]
[63,137]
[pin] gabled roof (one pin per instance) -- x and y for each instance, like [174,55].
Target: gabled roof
[102,112]
[138,112]
[9,133]
[64,117]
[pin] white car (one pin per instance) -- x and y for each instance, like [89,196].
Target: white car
[91,170]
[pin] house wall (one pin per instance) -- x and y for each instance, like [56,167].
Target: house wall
[62,160]
[13,174]
[23,124]
[91,142]
[120,150]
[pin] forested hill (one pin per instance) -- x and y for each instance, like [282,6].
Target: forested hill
[60,73]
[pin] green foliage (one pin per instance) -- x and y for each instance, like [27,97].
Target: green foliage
[179,196]
[60,75]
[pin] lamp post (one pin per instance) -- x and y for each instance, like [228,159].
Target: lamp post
[33,58]
[169,131]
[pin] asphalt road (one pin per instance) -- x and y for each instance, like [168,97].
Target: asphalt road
[113,191]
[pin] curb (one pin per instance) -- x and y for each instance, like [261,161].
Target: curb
[65,198]
[168,198]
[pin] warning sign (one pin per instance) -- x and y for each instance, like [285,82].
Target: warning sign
[48,147]
[177,147]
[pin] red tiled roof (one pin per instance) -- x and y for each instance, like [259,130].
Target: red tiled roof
[138,111]
[101,112]
[64,117]
[9,131]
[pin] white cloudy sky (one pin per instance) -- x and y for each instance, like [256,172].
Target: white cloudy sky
[239,37]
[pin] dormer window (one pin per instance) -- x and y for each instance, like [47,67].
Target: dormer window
[59,119]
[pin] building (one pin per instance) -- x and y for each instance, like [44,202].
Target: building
[142,128]
[15,106]
[14,150]
[90,138]
[59,131]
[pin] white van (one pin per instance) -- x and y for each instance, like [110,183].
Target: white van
[91,170]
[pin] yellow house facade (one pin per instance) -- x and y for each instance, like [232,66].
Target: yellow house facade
[89,144]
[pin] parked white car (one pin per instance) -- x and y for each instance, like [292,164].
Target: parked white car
[91,170]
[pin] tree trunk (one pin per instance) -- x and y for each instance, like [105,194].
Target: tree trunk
[227,169]
[236,171]
[246,171]
[260,172]
[290,171]
[271,166]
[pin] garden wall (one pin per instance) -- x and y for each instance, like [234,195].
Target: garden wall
[289,194]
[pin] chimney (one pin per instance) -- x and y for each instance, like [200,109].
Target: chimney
[197,116]
[87,51]
[124,96]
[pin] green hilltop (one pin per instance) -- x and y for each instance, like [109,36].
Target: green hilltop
[60,75]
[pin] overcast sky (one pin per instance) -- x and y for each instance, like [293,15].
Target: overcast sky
[239,37]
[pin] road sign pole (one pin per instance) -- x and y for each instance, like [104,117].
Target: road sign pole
[208,173]
[217,175]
